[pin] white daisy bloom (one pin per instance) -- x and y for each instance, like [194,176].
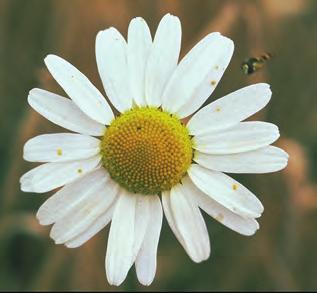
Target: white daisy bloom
[146,160]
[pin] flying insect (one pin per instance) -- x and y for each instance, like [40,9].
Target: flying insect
[253,64]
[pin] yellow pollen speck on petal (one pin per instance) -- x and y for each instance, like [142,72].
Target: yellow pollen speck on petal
[213,82]
[218,109]
[79,170]
[59,152]
[234,186]
[220,217]
[146,150]
[216,67]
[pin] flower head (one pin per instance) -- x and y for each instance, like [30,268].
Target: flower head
[146,157]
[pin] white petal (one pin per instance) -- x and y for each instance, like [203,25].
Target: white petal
[52,175]
[190,224]
[84,94]
[184,218]
[146,260]
[163,58]
[63,112]
[244,137]
[98,196]
[60,147]
[230,109]
[111,54]
[197,75]
[166,203]
[142,217]
[244,226]
[226,191]
[72,196]
[120,250]
[263,160]
[101,222]
[139,45]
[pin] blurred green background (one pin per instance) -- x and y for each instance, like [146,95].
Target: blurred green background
[282,255]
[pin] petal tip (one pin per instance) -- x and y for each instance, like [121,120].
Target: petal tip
[24,186]
[137,19]
[105,32]
[70,245]
[252,232]
[170,18]
[146,282]
[50,57]
[266,88]
[34,91]
[200,258]
[42,222]
[114,282]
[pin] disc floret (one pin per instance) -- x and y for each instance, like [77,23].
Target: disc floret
[146,150]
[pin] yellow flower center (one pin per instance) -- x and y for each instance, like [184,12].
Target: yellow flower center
[146,150]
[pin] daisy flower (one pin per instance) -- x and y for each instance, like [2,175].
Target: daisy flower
[131,167]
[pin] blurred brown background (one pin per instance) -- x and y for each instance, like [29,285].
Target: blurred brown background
[282,255]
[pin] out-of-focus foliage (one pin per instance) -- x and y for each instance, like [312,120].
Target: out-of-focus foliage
[282,254]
